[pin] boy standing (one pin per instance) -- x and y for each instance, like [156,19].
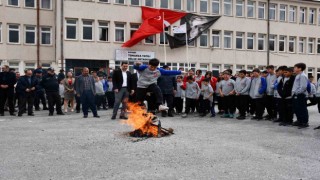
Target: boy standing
[242,87]
[179,96]
[270,102]
[284,89]
[192,95]
[227,94]
[257,89]
[299,92]
[149,75]
[207,97]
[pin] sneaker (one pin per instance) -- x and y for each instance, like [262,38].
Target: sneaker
[123,117]
[163,108]
[296,123]
[113,117]
[225,116]
[184,115]
[231,116]
[96,116]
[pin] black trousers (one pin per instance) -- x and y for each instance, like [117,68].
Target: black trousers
[26,100]
[6,95]
[300,108]
[258,106]
[78,101]
[220,105]
[40,97]
[154,89]
[168,98]
[99,100]
[110,98]
[151,100]
[190,105]
[178,104]
[271,106]
[54,99]
[252,106]
[229,104]
[285,110]
[205,106]
[313,101]
[242,104]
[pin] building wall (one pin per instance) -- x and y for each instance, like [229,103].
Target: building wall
[21,53]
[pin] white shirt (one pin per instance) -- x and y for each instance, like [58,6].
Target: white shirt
[124,76]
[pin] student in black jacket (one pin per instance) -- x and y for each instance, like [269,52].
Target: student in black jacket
[26,88]
[7,82]
[285,92]
[134,80]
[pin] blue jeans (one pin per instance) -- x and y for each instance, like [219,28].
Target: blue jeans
[88,101]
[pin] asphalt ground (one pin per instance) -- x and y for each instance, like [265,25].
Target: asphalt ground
[71,147]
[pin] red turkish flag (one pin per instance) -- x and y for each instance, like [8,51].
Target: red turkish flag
[153,23]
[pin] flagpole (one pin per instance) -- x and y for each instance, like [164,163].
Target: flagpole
[164,40]
[187,50]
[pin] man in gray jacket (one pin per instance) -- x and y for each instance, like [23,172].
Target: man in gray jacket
[242,94]
[270,101]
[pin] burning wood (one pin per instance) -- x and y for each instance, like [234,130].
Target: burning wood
[143,123]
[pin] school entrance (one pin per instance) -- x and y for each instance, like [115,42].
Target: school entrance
[94,65]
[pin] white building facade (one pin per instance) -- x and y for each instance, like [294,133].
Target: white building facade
[89,32]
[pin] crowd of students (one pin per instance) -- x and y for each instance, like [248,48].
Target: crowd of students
[283,92]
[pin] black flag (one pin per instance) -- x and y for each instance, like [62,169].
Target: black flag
[195,25]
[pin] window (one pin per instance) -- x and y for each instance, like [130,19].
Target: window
[191,5]
[261,10]
[30,34]
[71,29]
[250,41]
[133,29]
[163,38]
[204,68]
[150,40]
[14,65]
[203,6]
[204,39]
[282,43]
[164,4]
[283,13]
[0,32]
[87,30]
[216,39]
[119,1]
[30,66]
[302,15]
[103,31]
[319,17]
[177,4]
[292,14]
[311,45]
[301,44]
[29,3]
[318,45]
[272,42]
[13,2]
[215,6]
[14,31]
[45,35]
[227,40]
[239,40]
[251,9]
[239,8]
[119,32]
[261,42]
[312,16]
[135,2]
[104,1]
[292,44]
[272,11]
[149,3]
[227,4]
[45,4]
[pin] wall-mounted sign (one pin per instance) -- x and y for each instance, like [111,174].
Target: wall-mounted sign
[126,55]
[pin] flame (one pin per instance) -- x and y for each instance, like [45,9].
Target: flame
[140,119]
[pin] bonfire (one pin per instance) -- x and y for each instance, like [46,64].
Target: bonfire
[144,123]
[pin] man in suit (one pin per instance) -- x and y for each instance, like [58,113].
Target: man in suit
[50,84]
[86,90]
[26,89]
[7,82]
[134,80]
[121,87]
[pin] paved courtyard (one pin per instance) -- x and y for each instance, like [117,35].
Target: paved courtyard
[70,147]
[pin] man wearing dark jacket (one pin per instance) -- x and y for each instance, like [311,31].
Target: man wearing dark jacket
[121,87]
[284,89]
[40,93]
[168,86]
[7,82]
[51,85]
[134,80]
[26,89]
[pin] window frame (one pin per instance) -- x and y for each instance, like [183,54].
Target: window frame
[119,28]
[99,31]
[145,3]
[312,13]
[304,12]
[242,8]
[282,39]
[273,9]
[194,6]
[281,10]
[216,2]
[18,30]
[303,41]
[264,41]
[168,4]
[251,39]
[174,3]
[253,6]
[219,38]
[293,9]
[273,40]
[294,44]
[227,3]
[45,8]
[204,33]
[227,36]
[34,6]
[42,31]
[312,43]
[33,31]
[207,6]
[139,4]
[86,26]
[263,8]
[1,31]
[10,5]
[241,38]
[73,25]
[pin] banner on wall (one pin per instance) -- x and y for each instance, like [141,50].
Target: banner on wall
[127,55]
